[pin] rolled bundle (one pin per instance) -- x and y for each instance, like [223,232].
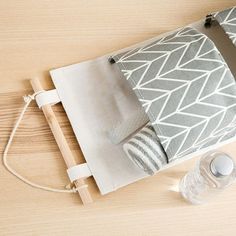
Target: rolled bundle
[146,151]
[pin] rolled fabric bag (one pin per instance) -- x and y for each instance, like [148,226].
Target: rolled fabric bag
[145,150]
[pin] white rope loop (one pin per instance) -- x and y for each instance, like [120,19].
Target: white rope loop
[28,100]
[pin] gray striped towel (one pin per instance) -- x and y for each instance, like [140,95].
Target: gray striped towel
[145,149]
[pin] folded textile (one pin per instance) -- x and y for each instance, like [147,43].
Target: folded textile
[145,150]
[186,89]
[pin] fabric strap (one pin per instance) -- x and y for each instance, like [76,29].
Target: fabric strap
[47,97]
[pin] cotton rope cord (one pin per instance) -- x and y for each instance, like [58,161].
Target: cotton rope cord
[28,100]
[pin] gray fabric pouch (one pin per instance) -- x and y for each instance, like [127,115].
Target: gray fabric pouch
[186,89]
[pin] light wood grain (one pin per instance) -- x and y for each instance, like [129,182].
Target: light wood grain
[36,36]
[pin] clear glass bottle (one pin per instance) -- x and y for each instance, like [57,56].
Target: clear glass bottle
[213,172]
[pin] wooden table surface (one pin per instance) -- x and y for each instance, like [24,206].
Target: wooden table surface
[36,36]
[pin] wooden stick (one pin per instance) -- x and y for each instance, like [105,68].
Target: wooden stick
[62,144]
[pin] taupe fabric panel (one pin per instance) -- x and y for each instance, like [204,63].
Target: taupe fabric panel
[227,19]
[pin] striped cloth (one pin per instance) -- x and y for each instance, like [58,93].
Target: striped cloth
[145,150]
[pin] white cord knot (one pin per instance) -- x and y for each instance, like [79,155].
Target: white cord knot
[28,98]
[71,187]
[31,97]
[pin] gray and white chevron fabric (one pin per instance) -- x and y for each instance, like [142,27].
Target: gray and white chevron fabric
[145,150]
[186,88]
[227,19]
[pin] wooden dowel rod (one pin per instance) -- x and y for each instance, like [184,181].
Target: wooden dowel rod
[62,144]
